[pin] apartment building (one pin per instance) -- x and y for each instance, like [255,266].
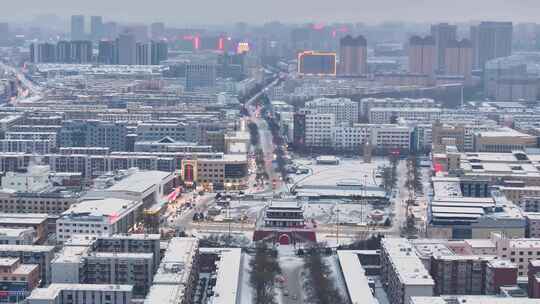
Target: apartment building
[34,255]
[343,109]
[391,115]
[81,294]
[17,279]
[402,272]
[177,274]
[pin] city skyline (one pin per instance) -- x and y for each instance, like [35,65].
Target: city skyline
[197,13]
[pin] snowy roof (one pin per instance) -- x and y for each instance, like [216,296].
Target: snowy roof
[228,276]
[355,278]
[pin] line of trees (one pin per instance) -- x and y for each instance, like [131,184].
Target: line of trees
[264,269]
[320,285]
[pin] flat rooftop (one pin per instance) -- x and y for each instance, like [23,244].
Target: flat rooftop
[139,181]
[228,276]
[53,290]
[101,207]
[355,278]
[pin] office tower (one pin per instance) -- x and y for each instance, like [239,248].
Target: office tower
[77,27]
[63,51]
[106,52]
[96,28]
[81,51]
[157,30]
[110,30]
[160,52]
[353,56]
[422,55]
[143,53]
[443,33]
[127,53]
[491,40]
[316,63]
[4,34]
[200,75]
[43,53]
[459,58]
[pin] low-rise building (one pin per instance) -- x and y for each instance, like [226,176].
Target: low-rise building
[17,280]
[98,217]
[32,254]
[81,293]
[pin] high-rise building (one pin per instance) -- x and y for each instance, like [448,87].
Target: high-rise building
[443,33]
[317,63]
[63,51]
[160,52]
[353,55]
[107,52]
[491,40]
[127,49]
[200,75]
[96,28]
[81,51]
[42,53]
[4,34]
[459,58]
[422,55]
[157,30]
[77,27]
[144,53]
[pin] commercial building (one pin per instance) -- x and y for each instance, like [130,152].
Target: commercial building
[452,215]
[81,293]
[353,56]
[99,217]
[317,63]
[503,140]
[402,272]
[229,172]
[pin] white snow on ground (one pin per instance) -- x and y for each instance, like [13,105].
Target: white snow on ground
[347,169]
[246,292]
[349,213]
[292,268]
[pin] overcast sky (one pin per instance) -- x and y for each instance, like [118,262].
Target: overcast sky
[183,12]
